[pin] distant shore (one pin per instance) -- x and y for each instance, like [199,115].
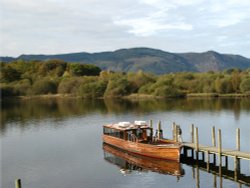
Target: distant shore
[132,96]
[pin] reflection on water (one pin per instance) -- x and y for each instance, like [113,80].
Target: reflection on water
[130,162]
[58,142]
[219,171]
[24,110]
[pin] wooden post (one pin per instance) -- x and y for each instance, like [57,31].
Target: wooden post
[203,156]
[151,123]
[221,180]
[160,133]
[215,181]
[214,160]
[196,139]
[192,133]
[197,177]
[213,137]
[236,168]
[219,146]
[208,161]
[173,129]
[18,183]
[193,172]
[238,139]
[197,143]
[226,162]
[176,132]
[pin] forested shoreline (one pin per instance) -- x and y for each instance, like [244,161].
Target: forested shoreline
[33,78]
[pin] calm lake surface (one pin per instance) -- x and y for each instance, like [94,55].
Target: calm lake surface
[57,143]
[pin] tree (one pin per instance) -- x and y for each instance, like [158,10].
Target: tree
[77,69]
[245,85]
[10,74]
[44,86]
[236,80]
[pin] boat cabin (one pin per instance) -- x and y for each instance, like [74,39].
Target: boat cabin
[138,131]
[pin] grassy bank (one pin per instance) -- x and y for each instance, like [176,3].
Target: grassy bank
[61,79]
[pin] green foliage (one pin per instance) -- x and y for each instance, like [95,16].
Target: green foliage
[52,67]
[77,69]
[139,79]
[245,85]
[69,85]
[94,89]
[117,88]
[9,74]
[44,86]
[22,78]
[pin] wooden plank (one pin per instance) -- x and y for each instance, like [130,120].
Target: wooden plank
[224,152]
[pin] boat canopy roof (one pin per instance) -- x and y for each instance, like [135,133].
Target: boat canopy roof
[123,126]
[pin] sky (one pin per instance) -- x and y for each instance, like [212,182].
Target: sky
[61,26]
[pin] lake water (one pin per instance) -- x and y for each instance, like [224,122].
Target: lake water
[57,143]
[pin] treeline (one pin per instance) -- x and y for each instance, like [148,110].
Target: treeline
[28,78]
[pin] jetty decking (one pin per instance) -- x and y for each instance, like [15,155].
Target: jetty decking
[214,150]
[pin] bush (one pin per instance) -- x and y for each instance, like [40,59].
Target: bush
[168,91]
[9,74]
[93,89]
[245,85]
[117,88]
[44,86]
[69,85]
[77,69]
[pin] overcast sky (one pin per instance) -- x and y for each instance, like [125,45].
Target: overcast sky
[60,26]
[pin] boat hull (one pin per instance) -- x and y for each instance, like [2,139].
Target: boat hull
[146,163]
[161,151]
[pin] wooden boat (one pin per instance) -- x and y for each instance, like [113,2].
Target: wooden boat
[129,162]
[138,138]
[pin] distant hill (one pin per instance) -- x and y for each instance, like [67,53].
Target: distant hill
[149,60]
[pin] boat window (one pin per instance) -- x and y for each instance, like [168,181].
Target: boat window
[113,132]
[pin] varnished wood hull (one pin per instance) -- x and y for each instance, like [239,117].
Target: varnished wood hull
[163,151]
[147,163]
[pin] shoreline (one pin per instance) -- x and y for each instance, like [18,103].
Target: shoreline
[131,97]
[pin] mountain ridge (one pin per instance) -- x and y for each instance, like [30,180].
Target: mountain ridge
[149,60]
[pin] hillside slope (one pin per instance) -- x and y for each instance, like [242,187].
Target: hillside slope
[150,60]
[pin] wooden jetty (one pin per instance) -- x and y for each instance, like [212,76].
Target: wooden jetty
[217,171]
[194,145]
[217,152]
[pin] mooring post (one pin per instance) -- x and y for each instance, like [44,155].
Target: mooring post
[151,123]
[226,162]
[219,146]
[192,139]
[176,132]
[215,181]
[213,136]
[236,166]
[173,130]
[208,161]
[238,147]
[18,183]
[197,177]
[160,133]
[238,139]
[197,143]
[192,133]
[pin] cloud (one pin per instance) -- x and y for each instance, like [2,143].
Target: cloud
[157,19]
[60,26]
[147,26]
